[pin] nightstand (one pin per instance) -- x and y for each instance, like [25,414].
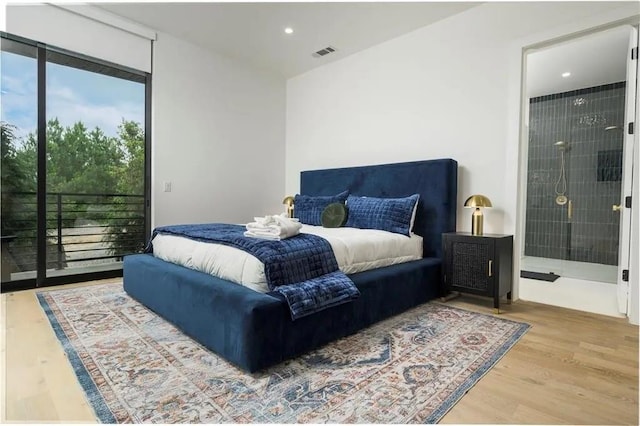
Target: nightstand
[478,264]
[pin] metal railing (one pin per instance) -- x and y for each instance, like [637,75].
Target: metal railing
[82,229]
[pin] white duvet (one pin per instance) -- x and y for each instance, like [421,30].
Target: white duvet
[356,250]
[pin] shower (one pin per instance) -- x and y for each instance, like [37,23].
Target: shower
[561,184]
[574,171]
[573,167]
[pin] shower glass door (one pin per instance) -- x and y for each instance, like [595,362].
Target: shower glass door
[575,173]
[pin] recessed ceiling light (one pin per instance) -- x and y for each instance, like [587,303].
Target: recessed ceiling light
[288,30]
[566,74]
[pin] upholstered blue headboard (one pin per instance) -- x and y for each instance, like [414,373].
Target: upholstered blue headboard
[435,180]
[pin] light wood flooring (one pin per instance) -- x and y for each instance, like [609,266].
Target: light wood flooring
[571,367]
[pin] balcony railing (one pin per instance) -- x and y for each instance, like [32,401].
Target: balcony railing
[82,229]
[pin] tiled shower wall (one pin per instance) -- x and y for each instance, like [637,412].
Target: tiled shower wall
[593,170]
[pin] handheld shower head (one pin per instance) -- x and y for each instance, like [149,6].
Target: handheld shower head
[561,184]
[561,145]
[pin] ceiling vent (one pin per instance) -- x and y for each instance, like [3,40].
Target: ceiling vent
[323,52]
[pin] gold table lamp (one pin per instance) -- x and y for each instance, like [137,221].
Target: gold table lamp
[478,202]
[288,201]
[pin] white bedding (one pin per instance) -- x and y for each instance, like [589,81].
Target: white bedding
[356,250]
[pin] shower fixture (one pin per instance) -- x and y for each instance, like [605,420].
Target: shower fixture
[561,184]
[611,128]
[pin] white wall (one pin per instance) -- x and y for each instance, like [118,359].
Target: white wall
[3,15]
[218,137]
[452,89]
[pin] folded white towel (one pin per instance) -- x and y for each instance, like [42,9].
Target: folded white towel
[261,236]
[276,227]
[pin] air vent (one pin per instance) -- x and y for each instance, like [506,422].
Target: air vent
[323,52]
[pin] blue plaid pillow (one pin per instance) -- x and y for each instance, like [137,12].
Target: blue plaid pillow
[309,208]
[386,214]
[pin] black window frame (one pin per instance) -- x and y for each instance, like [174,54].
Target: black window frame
[49,53]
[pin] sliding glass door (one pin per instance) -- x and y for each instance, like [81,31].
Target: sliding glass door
[76,162]
[95,165]
[19,124]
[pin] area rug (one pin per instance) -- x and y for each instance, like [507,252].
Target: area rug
[136,367]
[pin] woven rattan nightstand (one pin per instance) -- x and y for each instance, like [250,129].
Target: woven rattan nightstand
[478,264]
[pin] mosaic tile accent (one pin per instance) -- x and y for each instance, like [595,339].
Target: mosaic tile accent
[593,168]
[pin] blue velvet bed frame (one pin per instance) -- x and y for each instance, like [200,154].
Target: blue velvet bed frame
[254,330]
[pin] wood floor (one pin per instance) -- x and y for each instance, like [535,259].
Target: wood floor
[570,368]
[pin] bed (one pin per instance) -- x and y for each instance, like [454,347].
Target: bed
[254,330]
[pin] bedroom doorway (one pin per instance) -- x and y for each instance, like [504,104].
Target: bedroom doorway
[75,166]
[580,101]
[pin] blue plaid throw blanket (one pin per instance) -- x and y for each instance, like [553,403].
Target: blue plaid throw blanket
[302,268]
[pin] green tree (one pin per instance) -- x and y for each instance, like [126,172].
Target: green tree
[79,161]
[17,181]
[17,175]
[131,137]
[127,224]
[18,209]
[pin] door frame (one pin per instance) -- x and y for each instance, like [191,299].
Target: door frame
[556,38]
[624,251]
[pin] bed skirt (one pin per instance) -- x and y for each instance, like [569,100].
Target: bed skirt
[254,330]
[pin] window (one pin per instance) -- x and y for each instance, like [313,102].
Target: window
[75,138]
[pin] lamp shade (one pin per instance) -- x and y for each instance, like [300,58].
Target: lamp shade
[288,200]
[477,200]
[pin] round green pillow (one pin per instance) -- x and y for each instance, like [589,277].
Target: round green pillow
[334,215]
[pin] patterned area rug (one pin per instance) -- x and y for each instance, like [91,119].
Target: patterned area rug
[136,367]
